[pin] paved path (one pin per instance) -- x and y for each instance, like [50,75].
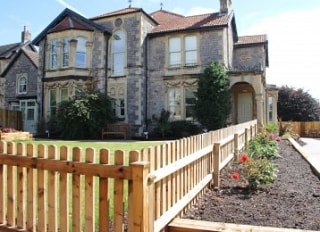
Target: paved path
[311,152]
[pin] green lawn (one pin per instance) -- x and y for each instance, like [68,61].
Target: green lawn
[112,145]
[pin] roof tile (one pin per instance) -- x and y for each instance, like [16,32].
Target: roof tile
[174,22]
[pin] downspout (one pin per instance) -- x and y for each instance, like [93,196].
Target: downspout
[43,76]
[146,83]
[106,64]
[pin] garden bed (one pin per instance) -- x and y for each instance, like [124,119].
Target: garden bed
[291,201]
[19,135]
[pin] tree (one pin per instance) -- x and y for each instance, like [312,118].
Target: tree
[83,116]
[297,105]
[213,104]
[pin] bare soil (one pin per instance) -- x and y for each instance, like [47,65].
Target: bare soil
[291,201]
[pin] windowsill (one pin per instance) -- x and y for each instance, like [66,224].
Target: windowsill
[182,66]
[118,76]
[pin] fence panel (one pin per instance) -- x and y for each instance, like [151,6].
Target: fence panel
[44,188]
[10,118]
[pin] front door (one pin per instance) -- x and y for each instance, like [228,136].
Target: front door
[29,115]
[245,108]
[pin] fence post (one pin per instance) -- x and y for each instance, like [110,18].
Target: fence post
[216,165]
[143,194]
[246,138]
[236,146]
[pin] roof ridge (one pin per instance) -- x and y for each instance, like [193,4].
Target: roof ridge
[169,12]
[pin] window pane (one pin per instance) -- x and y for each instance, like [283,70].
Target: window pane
[118,64]
[190,100]
[54,61]
[174,52]
[190,50]
[81,56]
[190,43]
[118,53]
[191,57]
[22,88]
[175,59]
[30,114]
[65,52]
[174,103]
[63,94]
[174,45]
[52,102]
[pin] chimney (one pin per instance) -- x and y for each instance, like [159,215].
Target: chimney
[225,6]
[25,35]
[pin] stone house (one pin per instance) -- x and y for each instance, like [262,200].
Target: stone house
[18,80]
[150,62]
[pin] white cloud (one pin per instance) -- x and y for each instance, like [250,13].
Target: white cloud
[67,5]
[193,11]
[294,48]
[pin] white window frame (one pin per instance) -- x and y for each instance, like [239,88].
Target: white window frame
[22,85]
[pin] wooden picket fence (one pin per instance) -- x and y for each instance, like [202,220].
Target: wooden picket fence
[10,118]
[305,129]
[46,188]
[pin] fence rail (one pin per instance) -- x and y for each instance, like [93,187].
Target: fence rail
[46,188]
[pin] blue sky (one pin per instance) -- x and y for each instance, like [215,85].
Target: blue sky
[291,26]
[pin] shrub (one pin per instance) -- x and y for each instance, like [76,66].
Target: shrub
[264,145]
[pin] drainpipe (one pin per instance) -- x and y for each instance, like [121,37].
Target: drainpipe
[146,83]
[106,63]
[43,76]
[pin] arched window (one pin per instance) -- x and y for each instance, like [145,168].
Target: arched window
[118,50]
[22,85]
[81,53]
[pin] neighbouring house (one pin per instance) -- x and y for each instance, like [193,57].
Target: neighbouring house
[18,80]
[150,62]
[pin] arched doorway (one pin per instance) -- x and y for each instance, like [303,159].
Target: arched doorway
[244,107]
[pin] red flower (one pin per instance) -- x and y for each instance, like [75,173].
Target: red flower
[243,158]
[278,138]
[235,176]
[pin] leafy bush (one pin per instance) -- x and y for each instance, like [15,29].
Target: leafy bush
[83,116]
[183,128]
[272,128]
[263,146]
[297,105]
[213,104]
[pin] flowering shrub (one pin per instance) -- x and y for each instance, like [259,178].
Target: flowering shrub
[8,130]
[255,171]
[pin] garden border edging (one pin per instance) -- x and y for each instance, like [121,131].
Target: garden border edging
[305,155]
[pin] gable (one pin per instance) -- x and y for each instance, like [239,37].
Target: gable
[33,57]
[67,20]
